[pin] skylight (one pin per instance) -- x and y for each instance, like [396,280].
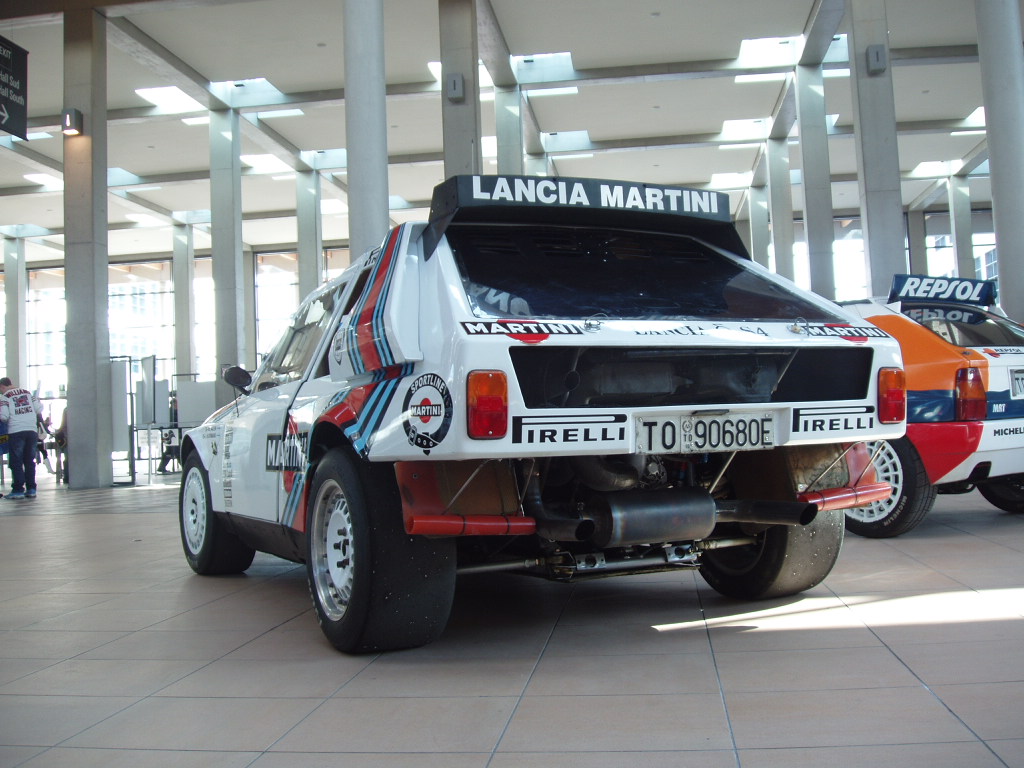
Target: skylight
[266,164]
[47,180]
[170,98]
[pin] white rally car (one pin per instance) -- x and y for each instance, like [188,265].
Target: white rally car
[563,377]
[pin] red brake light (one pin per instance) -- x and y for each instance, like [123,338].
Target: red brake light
[486,405]
[971,398]
[892,396]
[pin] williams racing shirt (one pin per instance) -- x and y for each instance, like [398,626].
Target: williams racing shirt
[20,409]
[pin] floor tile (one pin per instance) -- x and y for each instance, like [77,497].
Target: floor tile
[624,674]
[992,710]
[49,720]
[61,757]
[248,678]
[370,760]
[953,755]
[401,725]
[90,677]
[614,723]
[953,663]
[411,674]
[841,718]
[233,725]
[725,758]
[812,669]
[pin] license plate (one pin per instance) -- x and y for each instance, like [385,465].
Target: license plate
[1017,382]
[706,433]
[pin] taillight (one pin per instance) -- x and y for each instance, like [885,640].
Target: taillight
[971,400]
[487,405]
[892,396]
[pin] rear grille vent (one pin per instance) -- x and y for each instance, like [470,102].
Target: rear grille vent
[602,377]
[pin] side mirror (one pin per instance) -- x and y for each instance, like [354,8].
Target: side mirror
[237,377]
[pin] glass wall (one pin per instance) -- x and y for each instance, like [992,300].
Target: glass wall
[941,252]
[45,318]
[277,297]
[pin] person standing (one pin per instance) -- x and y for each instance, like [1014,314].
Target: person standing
[21,410]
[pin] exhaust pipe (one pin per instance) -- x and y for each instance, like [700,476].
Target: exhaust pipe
[644,517]
[767,512]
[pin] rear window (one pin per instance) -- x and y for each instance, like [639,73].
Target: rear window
[569,272]
[967,327]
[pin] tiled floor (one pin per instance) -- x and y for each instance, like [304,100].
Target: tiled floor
[112,653]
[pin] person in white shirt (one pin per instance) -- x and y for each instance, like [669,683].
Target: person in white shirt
[21,411]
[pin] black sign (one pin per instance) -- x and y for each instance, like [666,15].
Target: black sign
[13,88]
[956,289]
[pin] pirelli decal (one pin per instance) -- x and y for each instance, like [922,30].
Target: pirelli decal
[828,419]
[569,429]
[286,453]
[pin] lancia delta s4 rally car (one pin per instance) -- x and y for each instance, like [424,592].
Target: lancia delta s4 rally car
[965,400]
[562,377]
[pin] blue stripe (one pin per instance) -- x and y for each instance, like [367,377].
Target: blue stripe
[369,420]
[291,507]
[1012,409]
[930,405]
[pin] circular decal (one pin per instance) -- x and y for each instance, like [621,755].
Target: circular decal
[851,335]
[516,333]
[427,411]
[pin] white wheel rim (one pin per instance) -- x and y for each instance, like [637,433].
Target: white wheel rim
[888,469]
[193,511]
[334,556]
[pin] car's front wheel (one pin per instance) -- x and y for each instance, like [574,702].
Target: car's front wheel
[786,560]
[897,463]
[374,587]
[1007,493]
[209,548]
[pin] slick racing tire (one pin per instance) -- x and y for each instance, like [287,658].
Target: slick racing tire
[897,463]
[1006,493]
[786,560]
[374,587]
[209,548]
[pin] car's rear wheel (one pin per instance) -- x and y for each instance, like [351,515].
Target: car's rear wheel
[209,548]
[897,463]
[1007,493]
[374,587]
[786,560]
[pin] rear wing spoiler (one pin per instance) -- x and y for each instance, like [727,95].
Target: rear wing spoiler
[700,213]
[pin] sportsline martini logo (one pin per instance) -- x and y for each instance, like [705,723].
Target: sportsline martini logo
[427,411]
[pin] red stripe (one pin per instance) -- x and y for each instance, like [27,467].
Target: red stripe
[365,339]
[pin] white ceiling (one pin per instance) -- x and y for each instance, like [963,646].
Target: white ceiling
[652,96]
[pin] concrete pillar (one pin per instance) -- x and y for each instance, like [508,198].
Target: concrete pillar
[916,238]
[183,270]
[311,240]
[230,308]
[760,238]
[249,297]
[538,165]
[15,296]
[460,100]
[1002,83]
[366,125]
[508,107]
[960,227]
[90,430]
[878,163]
[819,228]
[780,192]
